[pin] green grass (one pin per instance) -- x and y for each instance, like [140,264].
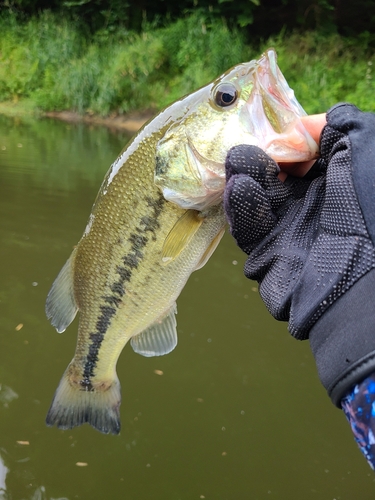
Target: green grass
[51,65]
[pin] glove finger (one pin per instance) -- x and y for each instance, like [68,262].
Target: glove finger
[253,161]
[348,143]
[248,211]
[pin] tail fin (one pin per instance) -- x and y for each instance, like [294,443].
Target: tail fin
[73,406]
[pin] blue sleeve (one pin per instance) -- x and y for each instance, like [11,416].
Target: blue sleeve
[359,408]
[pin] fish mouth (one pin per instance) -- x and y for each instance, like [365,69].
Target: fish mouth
[274,115]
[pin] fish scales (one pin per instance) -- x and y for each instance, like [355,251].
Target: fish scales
[158,217]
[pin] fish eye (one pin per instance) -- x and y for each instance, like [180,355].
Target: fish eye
[225,95]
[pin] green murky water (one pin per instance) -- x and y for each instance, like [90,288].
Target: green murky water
[238,411]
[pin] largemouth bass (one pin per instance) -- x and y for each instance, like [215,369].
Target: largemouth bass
[157,218]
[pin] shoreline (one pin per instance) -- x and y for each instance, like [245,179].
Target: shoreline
[129,122]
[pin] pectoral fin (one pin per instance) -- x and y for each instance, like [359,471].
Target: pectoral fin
[160,338]
[61,306]
[180,235]
[210,249]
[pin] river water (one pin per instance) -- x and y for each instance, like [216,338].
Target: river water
[235,412]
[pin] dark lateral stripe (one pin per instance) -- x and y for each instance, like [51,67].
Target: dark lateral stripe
[130,262]
[96,338]
[151,223]
[111,299]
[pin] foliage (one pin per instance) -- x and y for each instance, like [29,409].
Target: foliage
[51,62]
[31,52]
[123,73]
[324,70]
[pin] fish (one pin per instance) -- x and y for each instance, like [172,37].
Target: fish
[158,217]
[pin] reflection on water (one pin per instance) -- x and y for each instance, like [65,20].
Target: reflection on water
[236,411]
[3,473]
[40,494]
[7,395]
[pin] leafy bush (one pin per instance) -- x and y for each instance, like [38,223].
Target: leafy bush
[56,65]
[324,70]
[51,62]
[31,51]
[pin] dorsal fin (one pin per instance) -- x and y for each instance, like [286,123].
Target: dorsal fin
[159,338]
[61,306]
[180,235]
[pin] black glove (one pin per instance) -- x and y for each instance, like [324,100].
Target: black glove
[310,244]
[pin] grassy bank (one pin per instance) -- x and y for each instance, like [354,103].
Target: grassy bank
[50,64]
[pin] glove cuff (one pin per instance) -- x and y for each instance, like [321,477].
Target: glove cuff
[343,339]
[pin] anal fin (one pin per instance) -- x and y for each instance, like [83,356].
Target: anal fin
[61,306]
[159,338]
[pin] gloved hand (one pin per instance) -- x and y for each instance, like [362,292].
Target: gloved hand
[311,245]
